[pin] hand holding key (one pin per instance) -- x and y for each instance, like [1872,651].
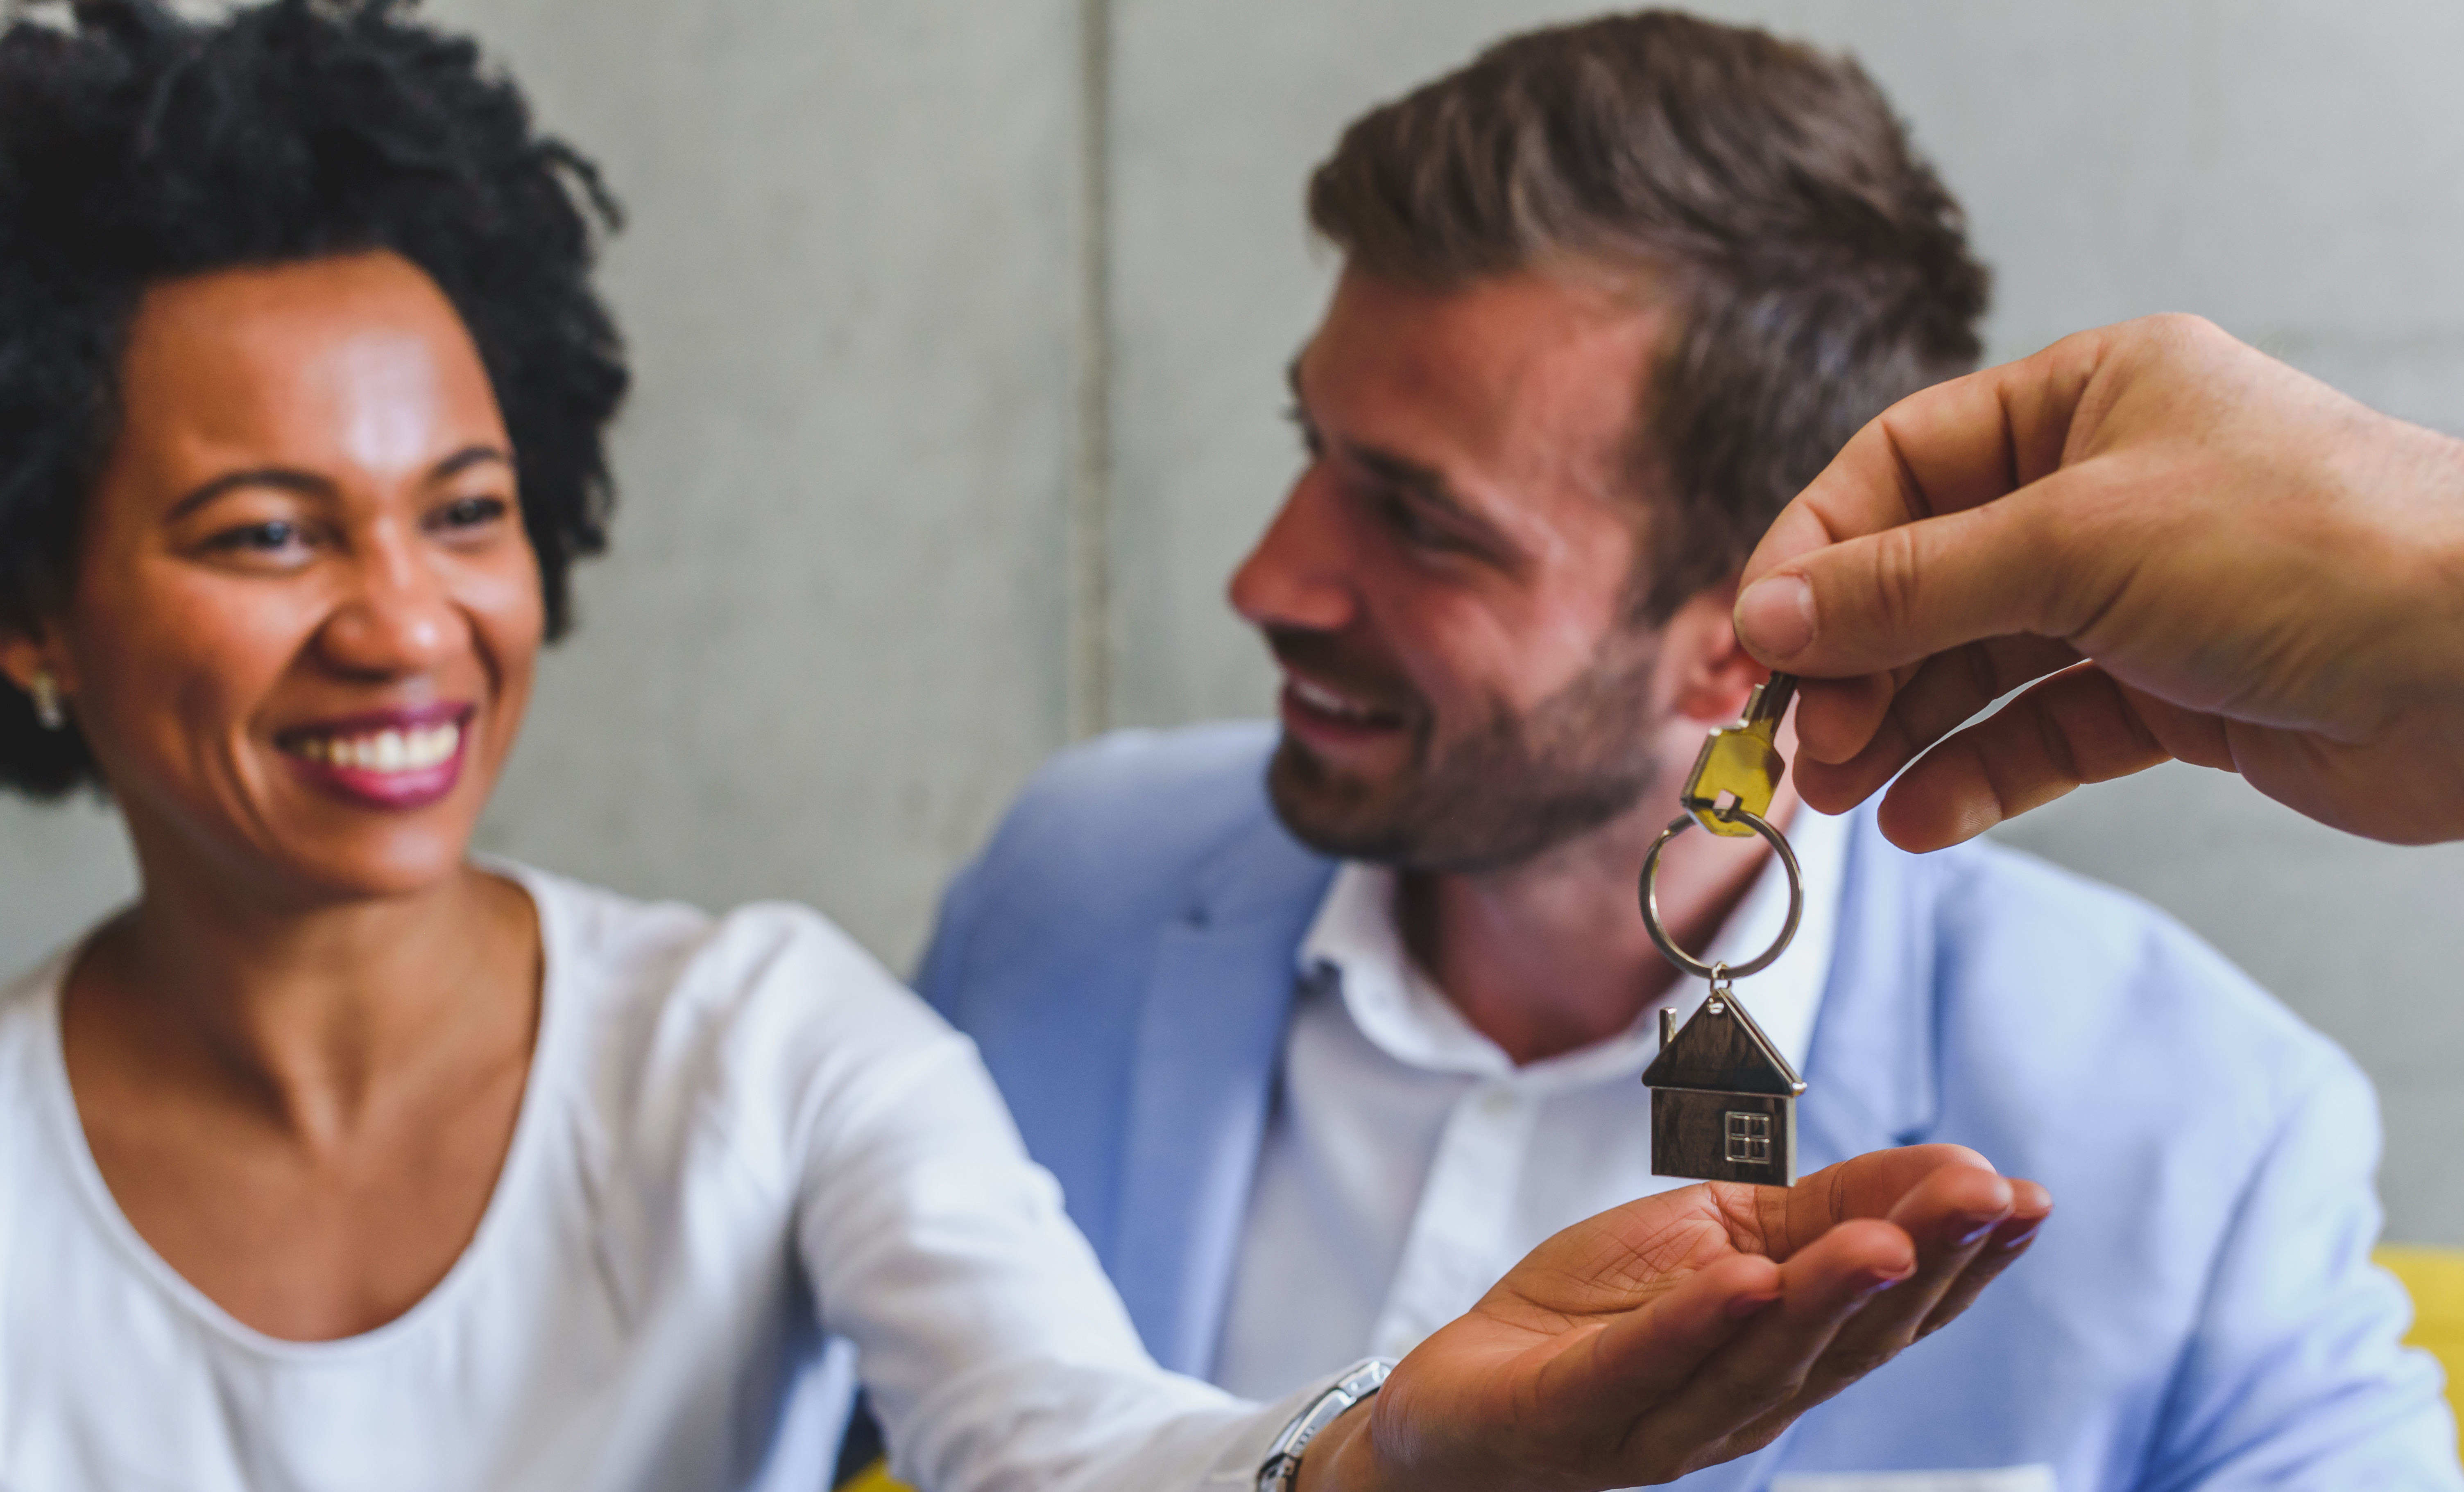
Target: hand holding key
[2189,549]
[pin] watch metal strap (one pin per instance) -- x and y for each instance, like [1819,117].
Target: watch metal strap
[1282,1470]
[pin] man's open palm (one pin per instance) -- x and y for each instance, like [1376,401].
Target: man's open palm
[1691,1327]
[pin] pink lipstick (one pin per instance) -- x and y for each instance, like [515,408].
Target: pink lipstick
[394,759]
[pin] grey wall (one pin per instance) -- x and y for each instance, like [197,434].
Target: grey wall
[843,618]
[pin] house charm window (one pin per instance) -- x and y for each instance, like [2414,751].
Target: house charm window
[1750,1139]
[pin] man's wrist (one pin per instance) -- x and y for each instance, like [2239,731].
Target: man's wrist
[1343,1458]
[1316,1421]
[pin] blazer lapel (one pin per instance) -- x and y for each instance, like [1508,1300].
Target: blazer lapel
[1201,1082]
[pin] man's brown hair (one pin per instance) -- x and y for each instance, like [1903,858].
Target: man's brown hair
[1815,268]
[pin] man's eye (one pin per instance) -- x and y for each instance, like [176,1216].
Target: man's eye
[1310,441]
[470,512]
[1405,519]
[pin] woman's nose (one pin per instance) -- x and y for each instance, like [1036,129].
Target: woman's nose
[1298,576]
[397,616]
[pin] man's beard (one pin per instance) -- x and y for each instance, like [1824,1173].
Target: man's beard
[1491,795]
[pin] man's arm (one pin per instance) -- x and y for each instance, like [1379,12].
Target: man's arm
[2293,1378]
[2191,549]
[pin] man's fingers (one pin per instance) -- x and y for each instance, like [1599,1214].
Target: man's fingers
[1943,449]
[1939,695]
[1829,585]
[1837,718]
[2031,1205]
[1870,1185]
[1885,600]
[1647,1354]
[1879,1247]
[1952,1216]
[2077,727]
[1765,1367]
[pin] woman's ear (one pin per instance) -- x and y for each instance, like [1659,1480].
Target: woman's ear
[27,652]
[1710,671]
[21,658]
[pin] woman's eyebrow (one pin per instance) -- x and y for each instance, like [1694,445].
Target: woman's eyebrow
[466,458]
[306,484]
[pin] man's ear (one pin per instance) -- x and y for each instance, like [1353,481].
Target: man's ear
[1709,670]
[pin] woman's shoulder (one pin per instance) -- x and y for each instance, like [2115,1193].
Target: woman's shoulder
[763,1011]
[27,1000]
[671,949]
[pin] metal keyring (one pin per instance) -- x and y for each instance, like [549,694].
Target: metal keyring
[1721,974]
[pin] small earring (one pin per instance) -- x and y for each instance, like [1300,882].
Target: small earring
[46,690]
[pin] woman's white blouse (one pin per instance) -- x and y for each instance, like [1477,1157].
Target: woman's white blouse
[741,1138]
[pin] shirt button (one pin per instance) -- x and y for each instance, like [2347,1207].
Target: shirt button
[1498,1102]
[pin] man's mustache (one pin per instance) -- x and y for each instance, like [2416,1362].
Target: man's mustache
[1325,659]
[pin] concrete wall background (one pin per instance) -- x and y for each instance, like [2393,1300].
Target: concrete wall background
[837,629]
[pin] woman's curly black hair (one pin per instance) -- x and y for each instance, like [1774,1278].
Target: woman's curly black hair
[137,146]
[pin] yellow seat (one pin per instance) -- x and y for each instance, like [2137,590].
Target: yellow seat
[2435,1278]
[875,1478]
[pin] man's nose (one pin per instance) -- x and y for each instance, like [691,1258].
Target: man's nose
[397,615]
[1300,573]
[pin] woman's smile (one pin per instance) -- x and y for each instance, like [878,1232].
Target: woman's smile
[391,760]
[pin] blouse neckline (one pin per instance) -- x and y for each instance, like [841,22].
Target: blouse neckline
[515,1183]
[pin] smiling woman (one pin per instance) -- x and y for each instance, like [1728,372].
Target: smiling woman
[314,447]
[340,1159]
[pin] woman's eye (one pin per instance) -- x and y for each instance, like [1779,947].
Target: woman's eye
[470,512]
[274,536]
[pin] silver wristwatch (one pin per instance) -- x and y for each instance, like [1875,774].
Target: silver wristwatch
[1282,1468]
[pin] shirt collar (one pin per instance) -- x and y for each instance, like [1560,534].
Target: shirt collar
[1356,946]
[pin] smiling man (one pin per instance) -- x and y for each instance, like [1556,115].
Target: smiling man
[1323,1027]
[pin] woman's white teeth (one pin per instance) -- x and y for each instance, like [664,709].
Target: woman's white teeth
[386,751]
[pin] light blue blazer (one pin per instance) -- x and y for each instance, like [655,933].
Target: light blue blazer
[2200,1311]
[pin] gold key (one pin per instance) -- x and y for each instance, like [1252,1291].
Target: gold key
[1740,766]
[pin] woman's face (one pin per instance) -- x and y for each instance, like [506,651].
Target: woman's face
[305,611]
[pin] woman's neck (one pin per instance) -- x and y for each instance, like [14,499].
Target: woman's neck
[303,1104]
[309,1009]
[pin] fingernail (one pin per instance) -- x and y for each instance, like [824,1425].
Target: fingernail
[2019,1239]
[1966,1231]
[1775,616]
[1744,1305]
[1875,1284]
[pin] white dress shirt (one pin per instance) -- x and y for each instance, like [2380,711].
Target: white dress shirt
[739,1137]
[1408,1162]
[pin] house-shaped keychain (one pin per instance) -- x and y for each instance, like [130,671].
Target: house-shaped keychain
[1722,1099]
